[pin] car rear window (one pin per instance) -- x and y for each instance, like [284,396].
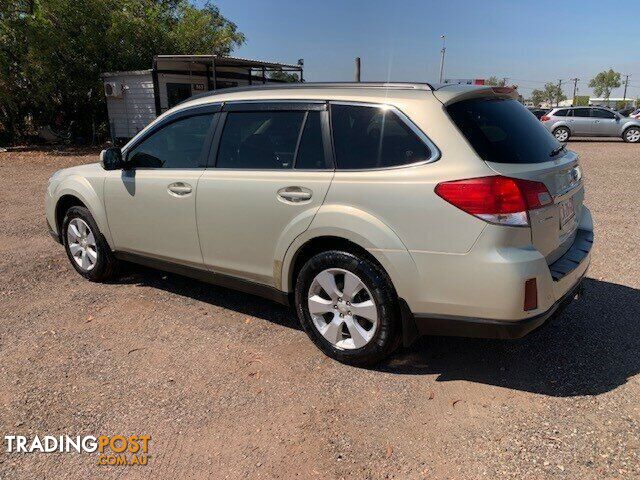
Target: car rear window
[502,130]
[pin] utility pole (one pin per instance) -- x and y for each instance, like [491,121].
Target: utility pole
[575,89]
[357,76]
[559,92]
[626,84]
[442,58]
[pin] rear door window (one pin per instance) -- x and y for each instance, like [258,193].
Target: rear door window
[372,137]
[502,130]
[581,112]
[260,140]
[311,149]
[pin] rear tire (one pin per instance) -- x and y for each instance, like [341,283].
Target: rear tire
[562,134]
[358,322]
[631,135]
[86,247]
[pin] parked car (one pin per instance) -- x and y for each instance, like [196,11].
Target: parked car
[538,112]
[590,122]
[626,111]
[379,211]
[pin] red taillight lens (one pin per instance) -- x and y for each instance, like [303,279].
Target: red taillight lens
[544,118]
[496,199]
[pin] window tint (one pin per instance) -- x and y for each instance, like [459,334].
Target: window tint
[601,113]
[581,112]
[370,137]
[178,145]
[259,140]
[560,113]
[502,130]
[311,150]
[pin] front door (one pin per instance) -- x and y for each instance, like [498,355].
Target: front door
[151,205]
[605,122]
[271,175]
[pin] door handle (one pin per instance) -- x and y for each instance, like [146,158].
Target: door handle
[295,194]
[179,188]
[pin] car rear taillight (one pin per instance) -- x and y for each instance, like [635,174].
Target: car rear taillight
[544,118]
[496,199]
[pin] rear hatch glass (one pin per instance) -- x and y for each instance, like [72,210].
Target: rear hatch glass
[515,144]
[502,130]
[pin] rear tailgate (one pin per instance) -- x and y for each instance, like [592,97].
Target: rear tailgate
[515,144]
[553,228]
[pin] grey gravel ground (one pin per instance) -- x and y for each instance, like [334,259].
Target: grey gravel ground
[228,386]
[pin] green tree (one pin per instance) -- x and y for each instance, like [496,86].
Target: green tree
[493,81]
[551,94]
[604,82]
[281,76]
[51,60]
[581,101]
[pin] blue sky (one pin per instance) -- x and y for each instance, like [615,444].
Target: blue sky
[530,42]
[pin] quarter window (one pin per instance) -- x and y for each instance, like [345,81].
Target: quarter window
[177,145]
[372,137]
[259,140]
[560,113]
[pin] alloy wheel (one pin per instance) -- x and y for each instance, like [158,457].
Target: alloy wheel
[633,135]
[342,308]
[561,135]
[82,244]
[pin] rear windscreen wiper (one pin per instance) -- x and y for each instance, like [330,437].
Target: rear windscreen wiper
[557,150]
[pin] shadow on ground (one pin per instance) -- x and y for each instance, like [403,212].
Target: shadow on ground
[211,294]
[591,348]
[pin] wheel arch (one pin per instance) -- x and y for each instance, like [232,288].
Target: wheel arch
[80,192]
[563,125]
[358,232]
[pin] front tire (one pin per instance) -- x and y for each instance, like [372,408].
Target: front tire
[348,307]
[562,134]
[86,247]
[631,135]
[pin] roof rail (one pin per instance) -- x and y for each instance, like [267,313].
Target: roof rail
[310,85]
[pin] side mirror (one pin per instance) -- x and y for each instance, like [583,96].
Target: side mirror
[111,159]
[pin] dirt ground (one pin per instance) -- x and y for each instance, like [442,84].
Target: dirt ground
[228,386]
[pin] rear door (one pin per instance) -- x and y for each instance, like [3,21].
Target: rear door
[605,123]
[514,144]
[271,175]
[580,121]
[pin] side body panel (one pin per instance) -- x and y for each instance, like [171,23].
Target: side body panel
[243,223]
[86,183]
[146,218]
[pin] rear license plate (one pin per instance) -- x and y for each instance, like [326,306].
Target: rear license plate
[567,212]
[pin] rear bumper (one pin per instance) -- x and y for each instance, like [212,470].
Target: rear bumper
[448,325]
[565,275]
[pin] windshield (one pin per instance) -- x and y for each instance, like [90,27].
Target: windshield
[503,131]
